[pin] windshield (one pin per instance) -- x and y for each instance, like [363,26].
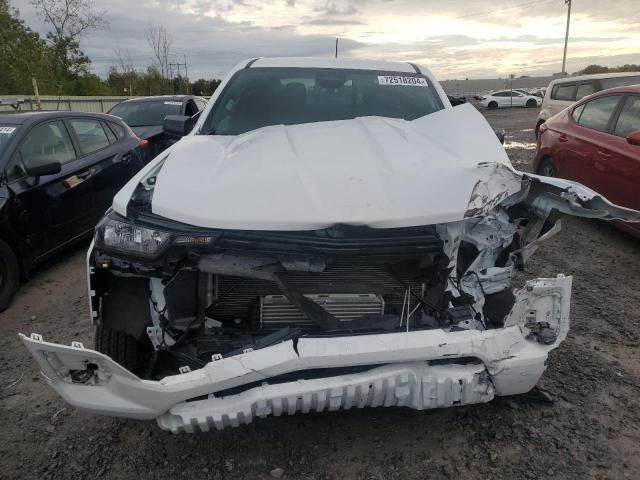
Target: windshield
[258,97]
[6,131]
[146,113]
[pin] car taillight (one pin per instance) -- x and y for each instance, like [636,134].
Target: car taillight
[143,144]
[543,128]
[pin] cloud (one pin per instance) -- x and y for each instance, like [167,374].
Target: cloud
[333,21]
[462,38]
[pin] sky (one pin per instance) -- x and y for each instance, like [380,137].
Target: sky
[455,39]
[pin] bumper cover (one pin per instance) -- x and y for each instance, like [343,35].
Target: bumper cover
[508,361]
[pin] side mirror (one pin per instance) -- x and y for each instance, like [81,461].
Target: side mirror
[178,125]
[634,138]
[500,133]
[44,169]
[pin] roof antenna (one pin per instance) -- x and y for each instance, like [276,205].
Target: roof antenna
[336,47]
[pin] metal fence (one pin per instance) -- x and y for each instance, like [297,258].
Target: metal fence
[11,103]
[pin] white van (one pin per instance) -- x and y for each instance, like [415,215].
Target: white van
[565,91]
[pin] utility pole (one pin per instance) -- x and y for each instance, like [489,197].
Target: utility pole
[336,47]
[511,77]
[186,73]
[178,64]
[34,82]
[566,37]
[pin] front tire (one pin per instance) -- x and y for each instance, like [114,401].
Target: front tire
[531,103]
[547,169]
[492,105]
[132,354]
[9,275]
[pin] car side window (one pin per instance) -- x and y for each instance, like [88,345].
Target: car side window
[629,119]
[191,109]
[584,90]
[597,112]
[45,143]
[110,135]
[500,94]
[577,112]
[90,133]
[117,129]
[564,92]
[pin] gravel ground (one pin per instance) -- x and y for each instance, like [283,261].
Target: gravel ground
[590,430]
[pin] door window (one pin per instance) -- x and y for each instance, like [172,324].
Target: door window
[597,112]
[501,94]
[110,135]
[584,90]
[117,129]
[191,109]
[619,81]
[44,144]
[629,119]
[577,112]
[564,92]
[90,133]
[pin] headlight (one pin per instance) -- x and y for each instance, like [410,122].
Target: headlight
[117,234]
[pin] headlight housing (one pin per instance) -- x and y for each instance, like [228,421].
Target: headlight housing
[118,234]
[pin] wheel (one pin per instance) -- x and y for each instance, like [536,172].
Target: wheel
[531,103]
[537,129]
[493,105]
[9,275]
[132,354]
[547,169]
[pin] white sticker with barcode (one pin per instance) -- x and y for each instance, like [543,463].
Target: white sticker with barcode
[7,130]
[173,103]
[400,80]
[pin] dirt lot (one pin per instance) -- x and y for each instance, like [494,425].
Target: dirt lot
[591,430]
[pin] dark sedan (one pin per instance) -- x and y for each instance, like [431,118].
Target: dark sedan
[145,116]
[597,142]
[60,171]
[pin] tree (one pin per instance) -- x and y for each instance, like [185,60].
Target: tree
[204,87]
[591,69]
[69,21]
[23,54]
[160,41]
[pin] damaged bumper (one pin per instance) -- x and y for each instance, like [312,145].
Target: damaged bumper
[418,369]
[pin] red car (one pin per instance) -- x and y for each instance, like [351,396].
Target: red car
[596,142]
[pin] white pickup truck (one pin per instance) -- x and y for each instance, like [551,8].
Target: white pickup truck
[331,234]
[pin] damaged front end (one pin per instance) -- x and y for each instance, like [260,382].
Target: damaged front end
[377,279]
[216,327]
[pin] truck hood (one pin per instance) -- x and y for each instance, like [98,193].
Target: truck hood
[370,171]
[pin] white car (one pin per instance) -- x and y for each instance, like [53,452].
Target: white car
[331,234]
[510,98]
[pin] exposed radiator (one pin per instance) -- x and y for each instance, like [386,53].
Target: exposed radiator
[277,312]
[241,298]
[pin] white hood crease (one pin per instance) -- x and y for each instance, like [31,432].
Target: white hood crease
[371,171]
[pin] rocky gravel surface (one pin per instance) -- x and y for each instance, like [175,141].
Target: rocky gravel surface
[587,427]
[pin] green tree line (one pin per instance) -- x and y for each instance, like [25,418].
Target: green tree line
[60,67]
